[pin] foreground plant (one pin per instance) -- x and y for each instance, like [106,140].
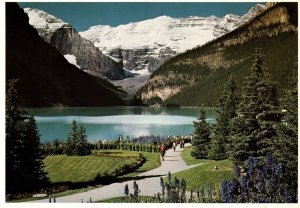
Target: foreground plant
[259,183]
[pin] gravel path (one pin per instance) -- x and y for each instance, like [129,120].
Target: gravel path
[148,182]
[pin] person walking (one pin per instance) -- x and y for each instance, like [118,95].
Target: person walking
[174,146]
[162,149]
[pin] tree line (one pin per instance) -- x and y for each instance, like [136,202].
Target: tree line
[253,123]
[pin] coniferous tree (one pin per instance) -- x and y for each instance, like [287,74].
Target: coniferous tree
[257,115]
[15,127]
[77,143]
[24,167]
[84,147]
[226,110]
[286,144]
[201,137]
[32,160]
[72,141]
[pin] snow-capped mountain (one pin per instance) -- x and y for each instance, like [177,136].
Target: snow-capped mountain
[145,45]
[77,50]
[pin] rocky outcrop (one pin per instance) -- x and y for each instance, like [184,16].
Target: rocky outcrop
[146,45]
[144,60]
[46,78]
[67,40]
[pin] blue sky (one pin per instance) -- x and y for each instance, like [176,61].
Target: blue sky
[84,15]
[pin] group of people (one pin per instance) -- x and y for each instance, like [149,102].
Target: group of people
[162,147]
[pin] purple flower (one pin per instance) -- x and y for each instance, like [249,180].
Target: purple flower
[162,182]
[236,171]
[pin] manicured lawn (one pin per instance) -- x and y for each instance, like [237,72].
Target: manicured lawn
[189,160]
[200,176]
[152,161]
[62,168]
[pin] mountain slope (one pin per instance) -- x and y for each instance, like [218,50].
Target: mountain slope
[198,76]
[77,50]
[145,45]
[45,76]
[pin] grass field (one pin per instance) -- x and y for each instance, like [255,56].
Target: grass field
[204,174]
[188,159]
[62,168]
[152,160]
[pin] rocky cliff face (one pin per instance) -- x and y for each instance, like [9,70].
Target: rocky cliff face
[227,55]
[146,45]
[66,39]
[143,60]
[46,78]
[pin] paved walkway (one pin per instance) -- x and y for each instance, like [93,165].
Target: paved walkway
[148,182]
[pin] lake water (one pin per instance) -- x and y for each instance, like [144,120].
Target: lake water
[110,122]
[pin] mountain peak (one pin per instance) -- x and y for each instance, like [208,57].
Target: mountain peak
[44,20]
[254,11]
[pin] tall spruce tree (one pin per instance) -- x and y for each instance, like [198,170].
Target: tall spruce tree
[77,143]
[24,168]
[32,160]
[286,144]
[84,147]
[15,127]
[226,110]
[201,137]
[254,127]
[72,141]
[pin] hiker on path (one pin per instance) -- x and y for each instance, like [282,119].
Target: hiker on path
[174,146]
[162,150]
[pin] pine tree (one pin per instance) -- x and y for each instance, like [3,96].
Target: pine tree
[15,127]
[32,160]
[24,167]
[72,141]
[286,144]
[201,137]
[226,110]
[257,115]
[77,143]
[84,147]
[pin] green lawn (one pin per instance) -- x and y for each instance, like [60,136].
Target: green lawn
[62,168]
[203,174]
[189,160]
[152,160]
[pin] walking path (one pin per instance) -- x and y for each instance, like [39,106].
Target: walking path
[148,182]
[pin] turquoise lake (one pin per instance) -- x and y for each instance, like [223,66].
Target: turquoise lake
[110,122]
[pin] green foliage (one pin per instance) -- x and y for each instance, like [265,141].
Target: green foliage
[77,143]
[226,110]
[281,51]
[32,162]
[24,167]
[286,144]
[188,159]
[258,113]
[205,174]
[201,137]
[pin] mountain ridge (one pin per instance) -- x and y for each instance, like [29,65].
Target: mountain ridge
[46,78]
[274,30]
[67,40]
[153,37]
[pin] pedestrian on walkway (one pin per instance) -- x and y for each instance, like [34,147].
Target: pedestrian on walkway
[174,146]
[162,150]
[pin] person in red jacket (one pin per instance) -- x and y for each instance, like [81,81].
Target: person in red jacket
[162,150]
